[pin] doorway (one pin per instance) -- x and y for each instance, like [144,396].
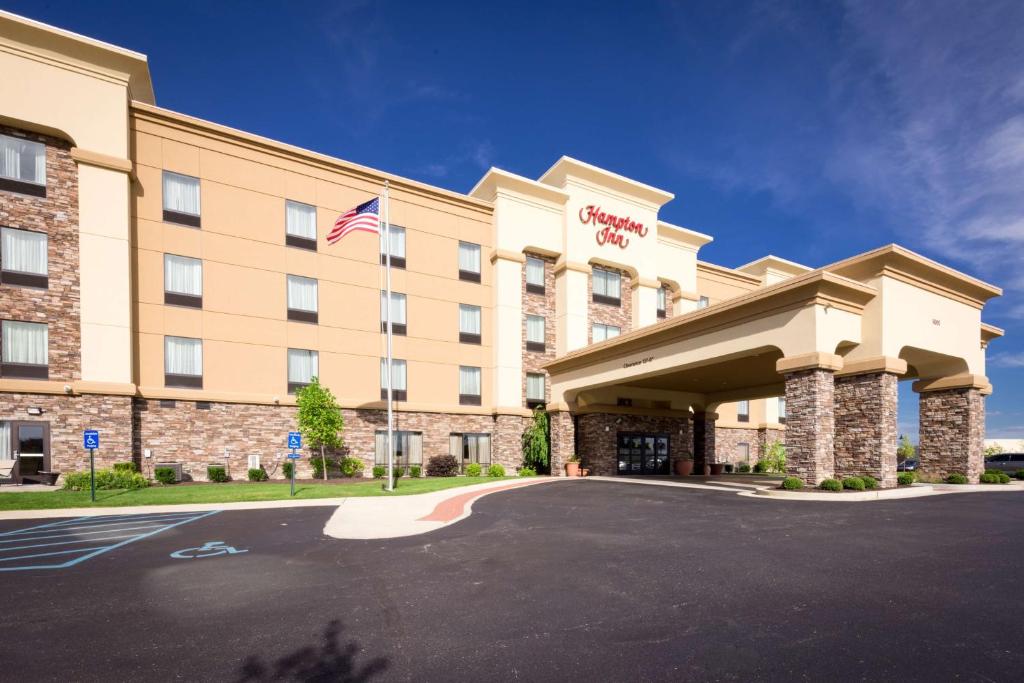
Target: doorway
[29,444]
[643,453]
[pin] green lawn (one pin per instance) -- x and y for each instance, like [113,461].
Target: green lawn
[228,493]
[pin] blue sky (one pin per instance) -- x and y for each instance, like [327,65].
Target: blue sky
[810,130]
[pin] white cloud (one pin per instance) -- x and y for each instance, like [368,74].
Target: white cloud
[1007,360]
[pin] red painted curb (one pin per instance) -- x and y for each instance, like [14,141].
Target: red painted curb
[453,508]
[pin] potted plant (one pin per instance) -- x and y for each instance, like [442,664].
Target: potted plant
[684,465]
[572,466]
[717,468]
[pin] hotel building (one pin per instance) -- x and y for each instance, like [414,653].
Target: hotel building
[165,280]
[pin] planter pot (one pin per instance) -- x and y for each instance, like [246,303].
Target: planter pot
[717,468]
[572,469]
[683,467]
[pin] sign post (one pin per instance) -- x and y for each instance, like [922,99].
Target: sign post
[91,441]
[294,443]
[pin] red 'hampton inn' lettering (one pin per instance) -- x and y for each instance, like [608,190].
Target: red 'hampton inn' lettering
[612,228]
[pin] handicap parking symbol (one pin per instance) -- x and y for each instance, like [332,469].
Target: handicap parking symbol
[90,438]
[295,440]
[208,549]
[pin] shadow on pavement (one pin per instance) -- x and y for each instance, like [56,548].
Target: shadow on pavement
[328,662]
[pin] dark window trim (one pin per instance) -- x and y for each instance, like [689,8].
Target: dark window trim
[184,381]
[300,242]
[396,394]
[469,399]
[180,218]
[782,419]
[189,300]
[20,279]
[540,347]
[535,403]
[468,338]
[24,371]
[607,300]
[469,276]
[203,405]
[535,289]
[293,387]
[22,187]
[168,403]
[303,316]
[396,328]
[661,313]
[624,402]
[396,261]
[743,417]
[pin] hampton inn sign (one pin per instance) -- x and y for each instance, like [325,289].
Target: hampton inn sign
[611,228]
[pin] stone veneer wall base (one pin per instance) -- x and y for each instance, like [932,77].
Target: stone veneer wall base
[865,426]
[810,425]
[952,433]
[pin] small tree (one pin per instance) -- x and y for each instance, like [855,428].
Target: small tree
[905,450]
[320,419]
[536,450]
[994,449]
[775,457]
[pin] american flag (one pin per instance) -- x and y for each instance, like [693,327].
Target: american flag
[365,217]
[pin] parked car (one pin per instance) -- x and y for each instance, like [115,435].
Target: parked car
[1007,462]
[908,465]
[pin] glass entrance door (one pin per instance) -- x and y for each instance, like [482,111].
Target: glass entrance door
[640,453]
[31,447]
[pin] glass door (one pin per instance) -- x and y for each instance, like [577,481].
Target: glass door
[643,453]
[31,448]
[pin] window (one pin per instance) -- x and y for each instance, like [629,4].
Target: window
[534,275]
[471,448]
[300,225]
[607,287]
[183,281]
[782,410]
[469,324]
[535,333]
[22,166]
[601,332]
[703,302]
[535,389]
[407,447]
[469,386]
[24,350]
[624,402]
[743,411]
[469,262]
[397,246]
[303,366]
[398,379]
[662,300]
[181,199]
[743,450]
[183,362]
[398,325]
[23,258]
[302,299]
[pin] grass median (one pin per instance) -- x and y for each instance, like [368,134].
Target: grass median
[232,492]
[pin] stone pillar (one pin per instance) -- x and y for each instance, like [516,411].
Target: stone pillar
[507,440]
[952,433]
[563,441]
[810,424]
[865,426]
[703,441]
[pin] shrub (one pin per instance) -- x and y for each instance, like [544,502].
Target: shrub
[380,471]
[124,467]
[792,483]
[1019,474]
[905,478]
[831,485]
[350,467]
[853,483]
[527,472]
[414,471]
[216,474]
[105,480]
[956,478]
[257,474]
[743,469]
[287,468]
[473,469]
[536,442]
[496,470]
[995,477]
[775,458]
[164,475]
[1004,478]
[442,466]
[869,482]
[760,467]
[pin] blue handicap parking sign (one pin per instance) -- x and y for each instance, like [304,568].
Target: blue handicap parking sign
[294,440]
[294,456]
[90,439]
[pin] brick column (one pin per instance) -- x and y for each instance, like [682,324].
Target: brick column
[810,424]
[865,426]
[563,441]
[703,440]
[952,433]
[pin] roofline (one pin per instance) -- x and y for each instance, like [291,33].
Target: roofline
[728,272]
[649,193]
[501,177]
[771,258]
[698,238]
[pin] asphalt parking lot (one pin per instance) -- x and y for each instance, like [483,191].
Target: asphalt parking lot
[567,581]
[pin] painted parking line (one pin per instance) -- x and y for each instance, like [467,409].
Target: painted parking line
[46,546]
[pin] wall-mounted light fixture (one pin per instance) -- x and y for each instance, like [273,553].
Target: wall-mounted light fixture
[35,410]
[67,388]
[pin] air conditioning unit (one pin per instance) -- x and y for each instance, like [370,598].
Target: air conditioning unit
[176,466]
[254,462]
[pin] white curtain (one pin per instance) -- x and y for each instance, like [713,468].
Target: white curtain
[469,257]
[455,446]
[181,193]
[300,219]
[303,365]
[535,328]
[398,374]
[24,342]
[397,241]
[782,407]
[183,275]
[535,387]
[661,299]
[469,381]
[602,332]
[484,450]
[23,251]
[469,319]
[743,408]
[535,271]
[607,283]
[22,160]
[183,356]
[5,440]
[397,308]
[301,293]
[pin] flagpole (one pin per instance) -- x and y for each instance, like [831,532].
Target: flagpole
[387,242]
